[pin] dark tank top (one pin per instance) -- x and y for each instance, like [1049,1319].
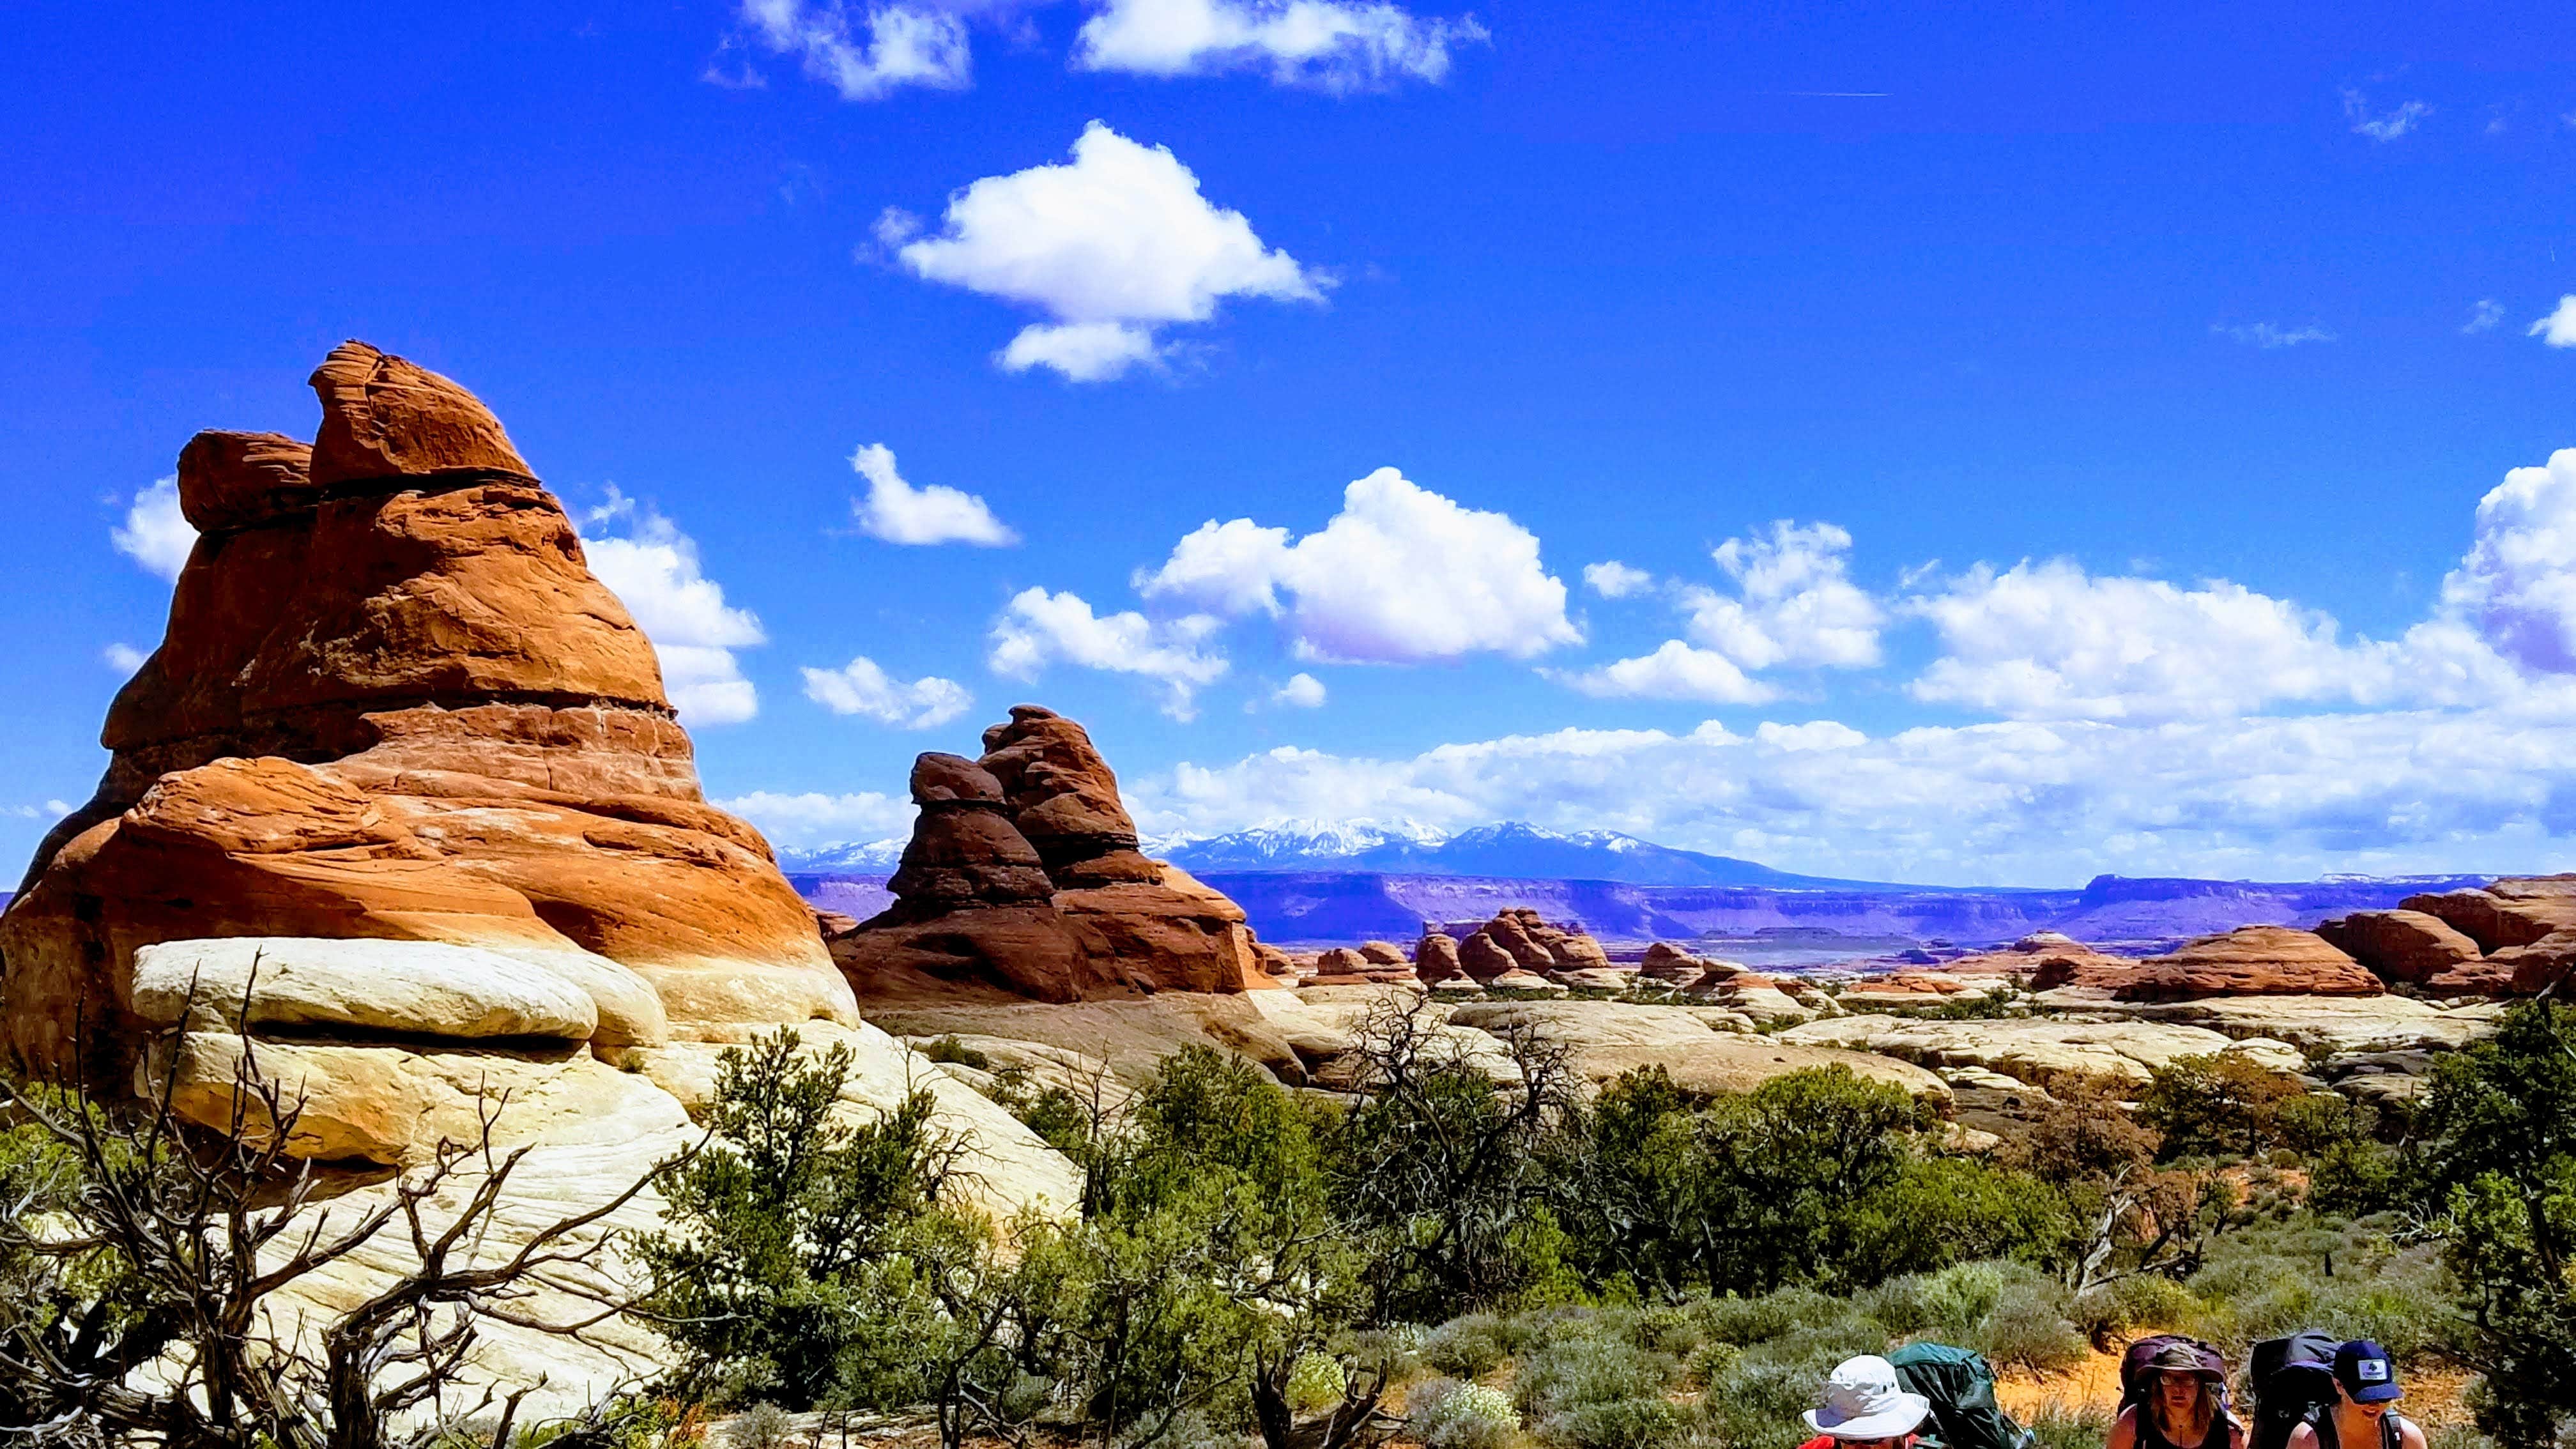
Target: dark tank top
[2390,1425]
[2222,1433]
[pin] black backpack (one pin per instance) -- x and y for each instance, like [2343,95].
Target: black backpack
[2292,1381]
[1961,1386]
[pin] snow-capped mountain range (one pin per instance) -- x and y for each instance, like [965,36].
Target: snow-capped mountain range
[1507,849]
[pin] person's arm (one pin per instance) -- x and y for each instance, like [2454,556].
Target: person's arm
[2303,1436]
[2124,1431]
[2410,1435]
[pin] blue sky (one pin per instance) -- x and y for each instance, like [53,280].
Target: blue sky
[2036,442]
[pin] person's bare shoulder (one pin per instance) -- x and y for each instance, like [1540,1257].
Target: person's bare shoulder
[2303,1436]
[2410,1435]
[2124,1430]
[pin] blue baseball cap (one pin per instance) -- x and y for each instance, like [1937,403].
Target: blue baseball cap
[2364,1371]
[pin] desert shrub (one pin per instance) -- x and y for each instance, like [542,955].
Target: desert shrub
[1064,1121]
[2315,1124]
[1747,1321]
[1816,1175]
[1944,1210]
[1581,1365]
[1470,1346]
[1755,1404]
[1941,1305]
[1666,1328]
[2501,1173]
[789,1266]
[762,1426]
[2060,1427]
[1448,1414]
[2350,1279]
[2358,1179]
[1644,1422]
[2131,1307]
[1315,1381]
[2029,1325]
[950,1050]
[1393,1353]
[1441,1172]
[2221,1106]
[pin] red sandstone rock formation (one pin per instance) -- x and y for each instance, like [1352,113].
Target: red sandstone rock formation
[2400,946]
[1436,959]
[2042,959]
[2248,961]
[1023,876]
[392,702]
[2526,925]
[1516,939]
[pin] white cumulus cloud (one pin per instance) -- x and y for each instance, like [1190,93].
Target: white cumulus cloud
[2017,802]
[2558,329]
[154,533]
[1401,575]
[862,688]
[1795,603]
[2517,586]
[2050,641]
[1329,44]
[123,658]
[653,569]
[1675,671]
[1039,628]
[2484,314]
[1302,691]
[1612,579]
[889,47]
[898,512]
[1112,246]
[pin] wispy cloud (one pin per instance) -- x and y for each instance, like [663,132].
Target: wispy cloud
[2484,314]
[1328,45]
[2384,125]
[2269,335]
[887,48]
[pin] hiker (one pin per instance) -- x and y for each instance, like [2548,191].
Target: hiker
[1866,1408]
[2361,1417]
[2183,1406]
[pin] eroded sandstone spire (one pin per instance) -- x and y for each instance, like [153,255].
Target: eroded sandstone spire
[393,703]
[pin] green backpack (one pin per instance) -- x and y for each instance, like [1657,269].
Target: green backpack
[1961,1386]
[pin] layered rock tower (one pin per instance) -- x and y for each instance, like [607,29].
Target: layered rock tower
[393,703]
[1023,875]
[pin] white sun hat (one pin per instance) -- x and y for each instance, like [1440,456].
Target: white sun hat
[1864,1401]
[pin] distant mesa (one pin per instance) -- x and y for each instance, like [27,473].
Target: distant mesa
[1023,879]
